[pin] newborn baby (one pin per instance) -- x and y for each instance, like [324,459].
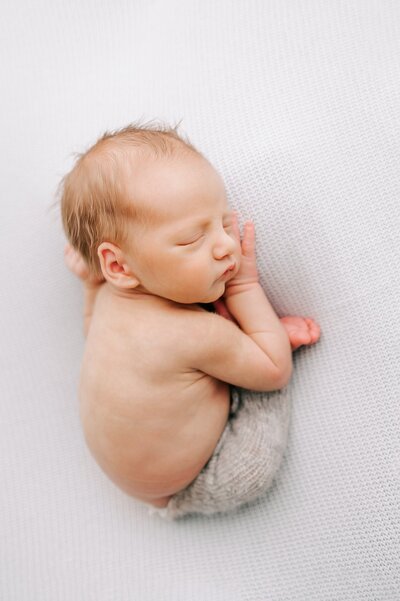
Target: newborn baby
[152,237]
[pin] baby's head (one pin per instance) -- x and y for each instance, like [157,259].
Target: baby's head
[98,202]
[148,212]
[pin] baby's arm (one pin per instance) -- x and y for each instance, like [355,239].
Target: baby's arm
[247,303]
[256,355]
[219,348]
[300,330]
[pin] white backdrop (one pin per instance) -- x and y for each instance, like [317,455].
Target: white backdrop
[297,104]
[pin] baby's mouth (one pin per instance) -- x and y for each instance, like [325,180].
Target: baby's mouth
[228,271]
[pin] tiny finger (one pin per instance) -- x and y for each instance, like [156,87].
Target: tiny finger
[235,225]
[248,241]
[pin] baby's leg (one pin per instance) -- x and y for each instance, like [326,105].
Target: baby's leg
[301,330]
[246,459]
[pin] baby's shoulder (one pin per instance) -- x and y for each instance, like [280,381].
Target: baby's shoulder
[194,314]
[185,316]
[192,322]
[180,325]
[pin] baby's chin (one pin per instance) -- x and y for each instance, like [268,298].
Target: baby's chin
[211,297]
[214,296]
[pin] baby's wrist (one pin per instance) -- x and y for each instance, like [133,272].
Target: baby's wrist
[240,288]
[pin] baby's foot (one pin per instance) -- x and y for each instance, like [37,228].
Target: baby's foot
[77,264]
[301,330]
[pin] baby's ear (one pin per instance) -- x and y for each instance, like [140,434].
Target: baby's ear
[114,267]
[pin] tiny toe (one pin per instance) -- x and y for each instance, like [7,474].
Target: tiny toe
[304,337]
[316,334]
[316,327]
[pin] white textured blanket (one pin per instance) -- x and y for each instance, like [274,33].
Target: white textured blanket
[297,104]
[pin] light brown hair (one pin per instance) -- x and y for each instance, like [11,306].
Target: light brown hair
[94,205]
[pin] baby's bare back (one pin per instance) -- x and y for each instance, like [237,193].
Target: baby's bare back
[150,420]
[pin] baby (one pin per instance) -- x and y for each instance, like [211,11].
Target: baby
[153,239]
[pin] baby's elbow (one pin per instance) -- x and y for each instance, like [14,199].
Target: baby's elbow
[284,375]
[273,379]
[281,377]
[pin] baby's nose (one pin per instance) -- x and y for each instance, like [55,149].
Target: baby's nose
[225,245]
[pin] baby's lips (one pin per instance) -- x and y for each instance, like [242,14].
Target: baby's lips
[233,266]
[228,270]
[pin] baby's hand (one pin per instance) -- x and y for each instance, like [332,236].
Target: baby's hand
[76,263]
[247,274]
[301,330]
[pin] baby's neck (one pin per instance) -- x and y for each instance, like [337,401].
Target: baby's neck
[138,295]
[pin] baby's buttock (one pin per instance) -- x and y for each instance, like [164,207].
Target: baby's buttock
[152,447]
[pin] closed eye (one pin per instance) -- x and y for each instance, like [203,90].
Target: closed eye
[227,220]
[190,242]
